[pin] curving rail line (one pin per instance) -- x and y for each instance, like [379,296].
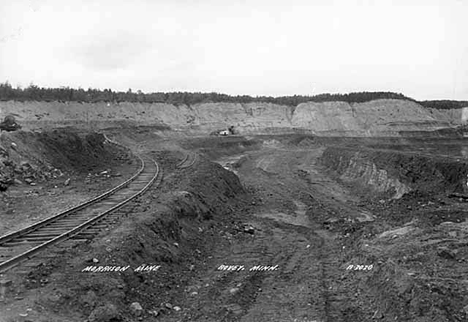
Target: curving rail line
[23,244]
[188,161]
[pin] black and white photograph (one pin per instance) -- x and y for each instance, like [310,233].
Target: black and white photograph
[233,161]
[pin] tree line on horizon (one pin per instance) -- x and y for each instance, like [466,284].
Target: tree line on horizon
[64,94]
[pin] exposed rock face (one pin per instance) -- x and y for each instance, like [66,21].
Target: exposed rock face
[385,117]
[355,168]
[328,116]
[396,173]
[452,116]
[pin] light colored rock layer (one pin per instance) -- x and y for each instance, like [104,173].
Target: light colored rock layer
[379,117]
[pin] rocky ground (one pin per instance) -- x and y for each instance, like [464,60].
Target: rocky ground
[270,228]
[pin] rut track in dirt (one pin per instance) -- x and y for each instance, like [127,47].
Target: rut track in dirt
[81,222]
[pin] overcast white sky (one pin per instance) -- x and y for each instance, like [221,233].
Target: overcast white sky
[257,47]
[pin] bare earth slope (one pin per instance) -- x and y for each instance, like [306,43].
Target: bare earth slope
[386,117]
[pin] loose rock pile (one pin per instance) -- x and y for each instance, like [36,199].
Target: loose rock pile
[6,173]
[12,172]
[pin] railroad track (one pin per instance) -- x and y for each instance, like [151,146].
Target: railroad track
[79,223]
[188,161]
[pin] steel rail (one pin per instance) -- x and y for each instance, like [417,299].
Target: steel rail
[69,211]
[8,264]
[183,161]
[192,156]
[194,159]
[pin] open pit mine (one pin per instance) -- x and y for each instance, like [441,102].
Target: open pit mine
[252,212]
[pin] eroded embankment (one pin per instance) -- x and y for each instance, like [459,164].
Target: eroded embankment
[28,157]
[174,227]
[417,244]
[396,173]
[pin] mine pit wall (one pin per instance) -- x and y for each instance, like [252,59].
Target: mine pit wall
[394,174]
[384,117]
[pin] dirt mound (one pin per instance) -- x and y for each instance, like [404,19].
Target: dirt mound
[198,185]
